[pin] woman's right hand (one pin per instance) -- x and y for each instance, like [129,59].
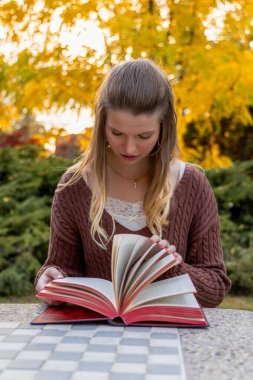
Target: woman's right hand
[170,248]
[49,274]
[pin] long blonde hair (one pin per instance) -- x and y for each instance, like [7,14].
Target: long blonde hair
[140,87]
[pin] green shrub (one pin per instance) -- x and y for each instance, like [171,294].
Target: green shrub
[233,188]
[28,181]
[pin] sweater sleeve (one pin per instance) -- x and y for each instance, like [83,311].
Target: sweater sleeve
[65,251]
[204,258]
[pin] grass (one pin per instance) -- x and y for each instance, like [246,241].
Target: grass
[237,302]
[230,302]
[24,299]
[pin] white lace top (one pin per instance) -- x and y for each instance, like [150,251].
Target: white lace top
[131,215]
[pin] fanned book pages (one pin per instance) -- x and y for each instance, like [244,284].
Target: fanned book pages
[133,296]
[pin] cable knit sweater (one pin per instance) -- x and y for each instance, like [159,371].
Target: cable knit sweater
[193,228]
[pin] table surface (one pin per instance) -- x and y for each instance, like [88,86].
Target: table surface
[223,351]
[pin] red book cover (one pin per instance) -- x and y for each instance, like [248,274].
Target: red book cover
[67,314]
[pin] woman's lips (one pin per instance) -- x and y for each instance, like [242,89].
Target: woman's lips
[128,158]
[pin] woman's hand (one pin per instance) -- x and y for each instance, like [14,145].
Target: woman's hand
[170,248]
[51,273]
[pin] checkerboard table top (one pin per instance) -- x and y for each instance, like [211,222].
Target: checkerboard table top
[89,351]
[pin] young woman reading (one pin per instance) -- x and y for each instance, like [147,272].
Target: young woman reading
[131,180]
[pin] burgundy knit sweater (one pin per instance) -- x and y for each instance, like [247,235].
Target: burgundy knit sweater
[193,228]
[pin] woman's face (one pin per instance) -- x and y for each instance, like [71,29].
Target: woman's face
[131,137]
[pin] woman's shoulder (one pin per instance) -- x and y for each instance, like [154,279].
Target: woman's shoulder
[194,172]
[194,194]
[195,179]
[66,177]
[70,183]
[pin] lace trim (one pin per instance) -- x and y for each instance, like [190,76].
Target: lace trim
[132,214]
[123,209]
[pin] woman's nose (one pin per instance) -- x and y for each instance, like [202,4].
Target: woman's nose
[130,147]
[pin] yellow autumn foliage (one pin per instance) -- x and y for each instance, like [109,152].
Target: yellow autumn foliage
[205,47]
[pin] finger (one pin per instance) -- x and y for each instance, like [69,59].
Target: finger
[178,257]
[164,243]
[53,273]
[47,276]
[155,238]
[43,280]
[171,249]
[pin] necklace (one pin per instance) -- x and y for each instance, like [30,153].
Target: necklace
[134,180]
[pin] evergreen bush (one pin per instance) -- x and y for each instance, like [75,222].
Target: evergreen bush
[233,188]
[27,184]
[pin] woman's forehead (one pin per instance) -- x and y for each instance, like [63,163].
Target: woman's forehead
[121,119]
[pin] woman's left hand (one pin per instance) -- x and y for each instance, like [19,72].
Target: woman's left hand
[170,248]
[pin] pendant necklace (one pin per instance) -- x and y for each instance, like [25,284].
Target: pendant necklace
[134,180]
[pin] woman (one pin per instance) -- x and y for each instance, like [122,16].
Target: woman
[131,180]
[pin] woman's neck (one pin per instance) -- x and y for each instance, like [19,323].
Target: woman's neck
[127,182]
[141,169]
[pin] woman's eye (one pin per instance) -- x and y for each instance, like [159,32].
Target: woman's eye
[144,137]
[115,133]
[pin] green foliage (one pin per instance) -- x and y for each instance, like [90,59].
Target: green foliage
[233,190]
[28,181]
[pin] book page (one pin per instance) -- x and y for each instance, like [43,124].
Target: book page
[185,310]
[164,289]
[186,300]
[125,249]
[140,253]
[80,301]
[83,293]
[148,258]
[148,274]
[99,286]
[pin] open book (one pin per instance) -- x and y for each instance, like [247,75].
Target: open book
[132,297]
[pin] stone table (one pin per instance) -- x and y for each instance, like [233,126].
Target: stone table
[223,351]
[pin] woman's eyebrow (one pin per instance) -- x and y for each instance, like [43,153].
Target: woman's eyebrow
[114,129]
[147,132]
[141,133]
[111,126]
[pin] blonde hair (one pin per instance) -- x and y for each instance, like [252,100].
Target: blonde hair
[140,87]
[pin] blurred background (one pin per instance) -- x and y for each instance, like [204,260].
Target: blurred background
[53,57]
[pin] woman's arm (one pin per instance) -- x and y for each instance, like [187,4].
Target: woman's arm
[63,256]
[203,259]
[204,263]
[65,251]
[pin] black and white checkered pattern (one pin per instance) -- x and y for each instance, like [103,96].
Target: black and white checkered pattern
[89,351]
